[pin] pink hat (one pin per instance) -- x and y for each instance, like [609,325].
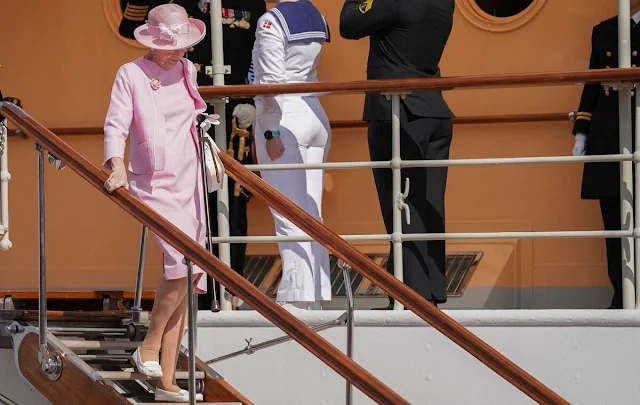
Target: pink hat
[168,28]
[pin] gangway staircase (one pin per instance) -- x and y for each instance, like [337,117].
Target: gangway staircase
[95,363]
[94,350]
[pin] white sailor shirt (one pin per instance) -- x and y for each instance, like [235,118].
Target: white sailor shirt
[277,61]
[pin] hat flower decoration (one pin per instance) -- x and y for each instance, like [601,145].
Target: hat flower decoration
[169,28]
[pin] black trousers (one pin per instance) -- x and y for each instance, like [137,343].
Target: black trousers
[610,208]
[422,138]
[238,224]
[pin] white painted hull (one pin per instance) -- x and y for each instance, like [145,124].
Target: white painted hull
[586,356]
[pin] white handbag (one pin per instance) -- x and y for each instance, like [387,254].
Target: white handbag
[214,169]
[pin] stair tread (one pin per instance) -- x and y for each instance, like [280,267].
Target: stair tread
[129,375]
[200,403]
[96,344]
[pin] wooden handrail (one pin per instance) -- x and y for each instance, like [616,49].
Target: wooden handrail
[618,75]
[317,345]
[345,124]
[380,277]
[272,311]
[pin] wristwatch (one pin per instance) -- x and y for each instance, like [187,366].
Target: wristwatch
[271,134]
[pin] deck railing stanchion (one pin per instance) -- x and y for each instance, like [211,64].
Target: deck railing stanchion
[396,237]
[215,304]
[626,171]
[191,333]
[5,243]
[51,363]
[636,202]
[142,254]
[219,105]
[42,285]
[347,286]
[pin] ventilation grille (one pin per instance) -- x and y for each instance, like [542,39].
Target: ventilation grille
[265,273]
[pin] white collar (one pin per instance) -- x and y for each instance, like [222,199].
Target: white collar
[636,17]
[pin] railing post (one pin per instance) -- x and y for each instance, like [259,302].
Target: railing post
[42,283]
[396,167]
[5,243]
[626,171]
[636,202]
[219,105]
[215,304]
[50,364]
[347,285]
[137,300]
[191,334]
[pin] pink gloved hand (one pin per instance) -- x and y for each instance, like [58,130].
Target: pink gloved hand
[118,176]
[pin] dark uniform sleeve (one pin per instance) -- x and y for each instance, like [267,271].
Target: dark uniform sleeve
[135,13]
[590,94]
[361,18]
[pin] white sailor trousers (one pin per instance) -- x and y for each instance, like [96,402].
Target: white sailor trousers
[306,135]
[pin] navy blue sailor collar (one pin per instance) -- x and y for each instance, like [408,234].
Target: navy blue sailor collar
[301,21]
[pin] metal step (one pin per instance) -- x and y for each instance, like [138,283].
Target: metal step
[100,345]
[91,332]
[128,375]
[106,358]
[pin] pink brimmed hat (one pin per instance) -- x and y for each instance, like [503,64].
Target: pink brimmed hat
[169,28]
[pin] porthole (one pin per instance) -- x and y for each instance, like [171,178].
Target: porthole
[503,8]
[499,15]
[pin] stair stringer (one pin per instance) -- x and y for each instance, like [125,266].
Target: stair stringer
[78,384]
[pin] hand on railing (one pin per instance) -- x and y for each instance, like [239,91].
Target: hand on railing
[118,177]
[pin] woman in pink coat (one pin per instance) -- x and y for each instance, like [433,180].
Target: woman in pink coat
[154,102]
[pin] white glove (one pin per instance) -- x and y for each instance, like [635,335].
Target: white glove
[209,119]
[580,145]
[245,114]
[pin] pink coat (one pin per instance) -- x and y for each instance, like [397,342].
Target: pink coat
[132,112]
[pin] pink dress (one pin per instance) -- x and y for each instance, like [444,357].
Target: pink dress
[176,191]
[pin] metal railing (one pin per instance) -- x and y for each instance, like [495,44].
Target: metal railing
[621,79]
[351,124]
[196,254]
[5,243]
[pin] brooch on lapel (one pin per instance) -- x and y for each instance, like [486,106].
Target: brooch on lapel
[155,83]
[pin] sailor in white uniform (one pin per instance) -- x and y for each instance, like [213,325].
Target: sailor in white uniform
[294,129]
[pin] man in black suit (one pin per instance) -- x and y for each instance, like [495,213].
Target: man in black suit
[597,132]
[407,39]
[239,19]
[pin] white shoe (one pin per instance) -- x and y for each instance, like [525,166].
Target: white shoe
[168,396]
[148,368]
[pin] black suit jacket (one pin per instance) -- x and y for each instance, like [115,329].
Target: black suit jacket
[407,39]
